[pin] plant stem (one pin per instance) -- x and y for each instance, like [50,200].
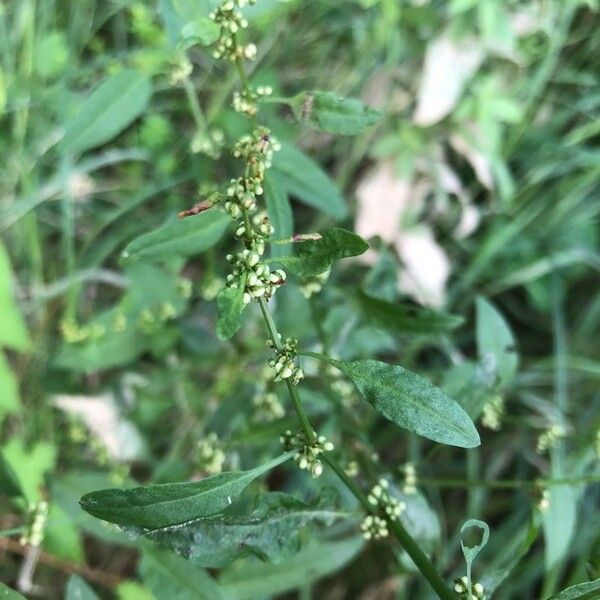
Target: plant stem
[197,113]
[406,540]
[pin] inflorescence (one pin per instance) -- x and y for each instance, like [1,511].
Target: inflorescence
[253,227]
[461,587]
[285,362]
[307,452]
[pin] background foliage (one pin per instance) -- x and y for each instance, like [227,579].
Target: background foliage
[478,190]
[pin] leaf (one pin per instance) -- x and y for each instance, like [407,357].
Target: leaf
[582,591]
[251,580]
[29,465]
[559,523]
[78,589]
[169,576]
[280,213]
[495,343]
[13,332]
[183,237]
[107,111]
[270,530]
[509,559]
[471,552]
[230,305]
[315,256]
[404,318]
[421,521]
[304,179]
[409,400]
[162,505]
[332,113]
[203,31]
[9,482]
[7,593]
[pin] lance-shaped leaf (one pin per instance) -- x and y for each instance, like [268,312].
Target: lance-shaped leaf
[404,318]
[315,256]
[9,482]
[409,400]
[495,343]
[582,591]
[332,113]
[230,304]
[184,237]
[7,593]
[250,579]
[269,530]
[111,107]
[162,505]
[304,179]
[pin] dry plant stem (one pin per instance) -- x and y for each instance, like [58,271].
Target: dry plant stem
[404,538]
[106,580]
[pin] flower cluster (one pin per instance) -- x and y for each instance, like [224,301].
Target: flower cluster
[461,586]
[307,452]
[284,364]
[181,69]
[208,143]
[374,527]
[74,333]
[231,21]
[38,515]
[256,150]
[548,439]
[268,407]
[410,479]
[259,280]
[210,455]
[313,285]
[493,412]
[380,497]
[245,102]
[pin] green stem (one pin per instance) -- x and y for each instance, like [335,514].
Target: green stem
[197,113]
[406,540]
[421,561]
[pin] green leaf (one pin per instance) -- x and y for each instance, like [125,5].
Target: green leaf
[203,31]
[315,256]
[509,559]
[13,332]
[332,113]
[183,237]
[280,213]
[302,178]
[559,521]
[30,465]
[270,530]
[78,589]
[409,400]
[250,579]
[471,552]
[421,521]
[9,482]
[495,343]
[168,576]
[7,593]
[230,305]
[582,591]
[162,505]
[107,111]
[404,318]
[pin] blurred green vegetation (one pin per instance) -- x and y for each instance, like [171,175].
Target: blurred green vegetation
[478,189]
